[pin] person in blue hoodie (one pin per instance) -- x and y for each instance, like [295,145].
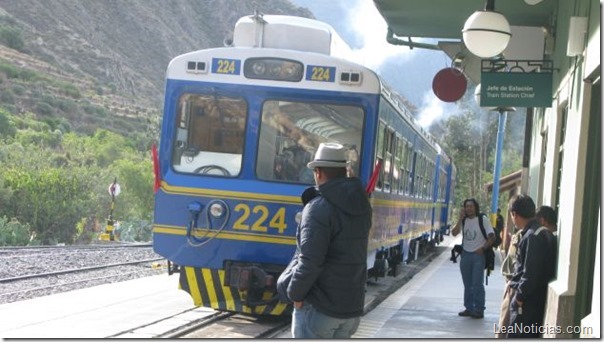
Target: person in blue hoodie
[327,285]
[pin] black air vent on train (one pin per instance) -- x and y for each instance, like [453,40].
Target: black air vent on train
[196,67]
[350,77]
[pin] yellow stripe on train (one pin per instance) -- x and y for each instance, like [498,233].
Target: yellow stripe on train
[238,195]
[225,235]
[224,194]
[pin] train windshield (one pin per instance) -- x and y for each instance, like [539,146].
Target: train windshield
[210,134]
[290,133]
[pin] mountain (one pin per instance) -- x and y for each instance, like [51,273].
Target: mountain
[101,63]
[87,59]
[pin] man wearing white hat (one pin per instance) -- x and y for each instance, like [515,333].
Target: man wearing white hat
[327,287]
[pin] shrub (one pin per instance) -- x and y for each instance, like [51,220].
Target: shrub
[18,89]
[134,231]
[13,232]
[11,38]
[7,96]
[44,108]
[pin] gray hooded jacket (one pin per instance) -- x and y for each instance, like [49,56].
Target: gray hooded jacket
[332,250]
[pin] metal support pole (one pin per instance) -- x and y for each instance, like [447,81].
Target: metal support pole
[503,115]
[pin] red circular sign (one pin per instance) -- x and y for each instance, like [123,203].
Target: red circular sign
[449,84]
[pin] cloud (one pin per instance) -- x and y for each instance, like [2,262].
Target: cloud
[370,29]
[433,109]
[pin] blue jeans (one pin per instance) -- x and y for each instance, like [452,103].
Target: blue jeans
[307,322]
[472,273]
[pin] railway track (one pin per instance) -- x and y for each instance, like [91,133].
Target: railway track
[28,272]
[240,326]
[207,323]
[77,270]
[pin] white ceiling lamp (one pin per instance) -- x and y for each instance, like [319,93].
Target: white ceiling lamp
[532,2]
[486,33]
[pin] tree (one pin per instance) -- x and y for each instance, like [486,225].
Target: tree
[471,139]
[51,200]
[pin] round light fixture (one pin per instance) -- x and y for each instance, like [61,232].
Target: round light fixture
[486,33]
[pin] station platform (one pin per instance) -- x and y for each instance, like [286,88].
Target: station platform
[95,312]
[427,305]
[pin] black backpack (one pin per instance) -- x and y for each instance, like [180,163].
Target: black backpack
[489,254]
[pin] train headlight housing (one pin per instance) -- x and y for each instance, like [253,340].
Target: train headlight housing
[258,68]
[217,210]
[277,69]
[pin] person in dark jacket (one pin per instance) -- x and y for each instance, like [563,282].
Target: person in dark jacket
[327,286]
[535,267]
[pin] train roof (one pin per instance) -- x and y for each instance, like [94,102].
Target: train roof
[289,32]
[396,100]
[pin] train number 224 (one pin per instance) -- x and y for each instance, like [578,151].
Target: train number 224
[259,225]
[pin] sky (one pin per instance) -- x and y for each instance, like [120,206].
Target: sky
[410,72]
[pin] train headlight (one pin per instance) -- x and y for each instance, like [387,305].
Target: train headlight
[258,68]
[298,217]
[273,69]
[217,210]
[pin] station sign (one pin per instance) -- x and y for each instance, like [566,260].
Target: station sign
[516,84]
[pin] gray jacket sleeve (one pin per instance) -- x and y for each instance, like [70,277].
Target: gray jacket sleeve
[313,241]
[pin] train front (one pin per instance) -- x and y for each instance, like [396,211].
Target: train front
[232,165]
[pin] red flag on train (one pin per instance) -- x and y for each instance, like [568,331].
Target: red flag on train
[155,157]
[374,177]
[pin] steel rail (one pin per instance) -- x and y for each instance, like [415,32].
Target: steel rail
[75,270]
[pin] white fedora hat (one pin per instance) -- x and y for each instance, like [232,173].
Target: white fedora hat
[329,155]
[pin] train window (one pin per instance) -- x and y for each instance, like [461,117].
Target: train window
[404,152]
[443,183]
[210,135]
[428,179]
[419,176]
[290,133]
[396,169]
[379,152]
[425,178]
[389,144]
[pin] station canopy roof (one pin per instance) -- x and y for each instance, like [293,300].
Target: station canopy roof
[444,19]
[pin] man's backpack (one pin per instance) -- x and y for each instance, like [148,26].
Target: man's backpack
[489,254]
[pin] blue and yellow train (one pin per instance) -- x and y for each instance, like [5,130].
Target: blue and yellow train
[241,122]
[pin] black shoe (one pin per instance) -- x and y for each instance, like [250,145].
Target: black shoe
[477,315]
[465,313]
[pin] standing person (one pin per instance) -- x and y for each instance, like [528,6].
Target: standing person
[534,268]
[507,270]
[327,285]
[547,217]
[472,262]
[499,225]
